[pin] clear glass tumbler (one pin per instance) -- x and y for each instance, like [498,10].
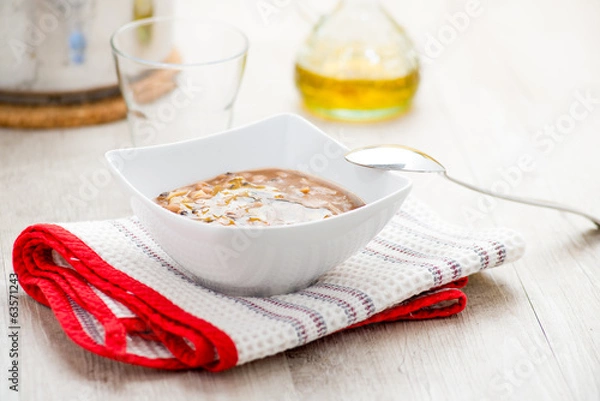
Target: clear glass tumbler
[179,76]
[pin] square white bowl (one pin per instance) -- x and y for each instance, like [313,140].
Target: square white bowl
[257,261]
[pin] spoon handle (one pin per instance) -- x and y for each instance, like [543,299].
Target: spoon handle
[527,201]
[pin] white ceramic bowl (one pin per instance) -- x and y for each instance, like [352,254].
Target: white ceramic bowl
[257,260]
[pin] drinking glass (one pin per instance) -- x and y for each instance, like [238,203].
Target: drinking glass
[179,77]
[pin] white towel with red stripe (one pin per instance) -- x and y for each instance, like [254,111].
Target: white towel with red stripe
[118,294]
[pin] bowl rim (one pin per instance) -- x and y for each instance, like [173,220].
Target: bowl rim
[218,227]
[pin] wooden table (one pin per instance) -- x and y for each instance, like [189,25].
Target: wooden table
[490,96]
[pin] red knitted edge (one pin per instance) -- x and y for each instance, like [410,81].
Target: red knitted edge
[423,307]
[460,283]
[53,285]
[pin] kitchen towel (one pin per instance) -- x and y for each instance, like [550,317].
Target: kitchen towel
[116,293]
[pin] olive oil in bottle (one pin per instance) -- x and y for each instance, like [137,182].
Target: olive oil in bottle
[357,65]
[356,99]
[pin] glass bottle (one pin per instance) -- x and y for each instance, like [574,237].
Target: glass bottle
[357,64]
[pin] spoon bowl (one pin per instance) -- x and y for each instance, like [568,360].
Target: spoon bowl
[395,157]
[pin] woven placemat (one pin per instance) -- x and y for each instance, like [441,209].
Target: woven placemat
[34,116]
[62,116]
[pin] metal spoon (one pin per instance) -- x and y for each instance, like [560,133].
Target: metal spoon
[403,158]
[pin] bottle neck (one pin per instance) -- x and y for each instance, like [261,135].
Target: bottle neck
[360,9]
[359,2]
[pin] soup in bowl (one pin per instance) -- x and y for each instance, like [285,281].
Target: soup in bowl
[261,209]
